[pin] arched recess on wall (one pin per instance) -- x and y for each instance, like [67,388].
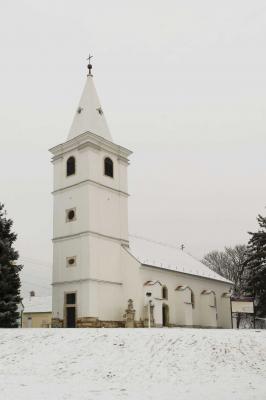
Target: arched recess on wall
[189,294]
[212,297]
[154,287]
[108,167]
[71,166]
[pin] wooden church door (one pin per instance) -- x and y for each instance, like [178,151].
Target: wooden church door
[70,310]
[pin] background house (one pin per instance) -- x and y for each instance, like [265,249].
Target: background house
[37,311]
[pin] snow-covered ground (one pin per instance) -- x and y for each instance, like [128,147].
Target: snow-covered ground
[165,364]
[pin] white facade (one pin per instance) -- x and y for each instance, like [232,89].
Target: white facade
[93,260]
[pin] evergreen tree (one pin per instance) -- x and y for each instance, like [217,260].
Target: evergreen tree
[9,274]
[256,263]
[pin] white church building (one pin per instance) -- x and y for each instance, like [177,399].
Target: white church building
[102,277]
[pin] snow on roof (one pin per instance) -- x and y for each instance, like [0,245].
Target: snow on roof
[36,304]
[154,254]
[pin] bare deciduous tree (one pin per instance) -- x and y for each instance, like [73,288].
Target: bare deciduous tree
[230,263]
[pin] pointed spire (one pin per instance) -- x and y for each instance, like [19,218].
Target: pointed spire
[89,116]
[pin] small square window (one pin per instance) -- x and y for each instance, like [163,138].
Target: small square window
[71,215]
[71,298]
[71,261]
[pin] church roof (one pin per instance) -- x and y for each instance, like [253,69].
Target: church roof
[89,116]
[154,254]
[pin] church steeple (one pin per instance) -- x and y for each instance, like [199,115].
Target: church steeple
[89,116]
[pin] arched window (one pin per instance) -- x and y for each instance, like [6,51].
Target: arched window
[108,167]
[71,166]
[165,293]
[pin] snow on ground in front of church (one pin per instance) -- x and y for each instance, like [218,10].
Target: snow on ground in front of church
[138,364]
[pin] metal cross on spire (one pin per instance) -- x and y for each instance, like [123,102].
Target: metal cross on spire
[89,65]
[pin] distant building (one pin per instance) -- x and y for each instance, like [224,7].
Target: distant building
[37,312]
[102,277]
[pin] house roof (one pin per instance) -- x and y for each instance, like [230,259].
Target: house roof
[158,255]
[36,304]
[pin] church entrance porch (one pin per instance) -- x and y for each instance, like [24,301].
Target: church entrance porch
[165,312]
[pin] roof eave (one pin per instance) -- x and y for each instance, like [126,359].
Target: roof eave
[188,273]
[90,138]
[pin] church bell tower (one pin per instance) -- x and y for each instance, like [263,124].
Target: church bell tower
[90,219]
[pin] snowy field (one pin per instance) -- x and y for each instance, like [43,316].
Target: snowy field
[136,364]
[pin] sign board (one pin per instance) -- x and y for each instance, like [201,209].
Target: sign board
[246,307]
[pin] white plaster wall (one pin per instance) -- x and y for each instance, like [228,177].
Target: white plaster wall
[158,311]
[94,299]
[188,314]
[74,247]
[180,313]
[78,198]
[90,165]
[58,295]
[97,259]
[105,259]
[132,282]
[108,301]
[97,209]
[200,315]
[108,212]
[185,311]
[100,212]
[224,316]
[111,306]
[208,312]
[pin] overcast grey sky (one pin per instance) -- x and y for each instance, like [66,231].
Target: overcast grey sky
[183,85]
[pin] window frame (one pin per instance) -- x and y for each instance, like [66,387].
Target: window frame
[73,173]
[71,265]
[66,305]
[104,169]
[75,214]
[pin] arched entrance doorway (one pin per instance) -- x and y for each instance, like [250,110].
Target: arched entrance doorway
[165,315]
